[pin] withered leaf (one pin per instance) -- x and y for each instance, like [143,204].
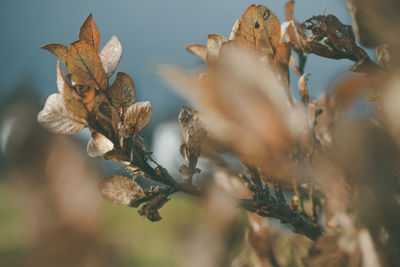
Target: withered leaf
[250,27]
[122,92]
[73,102]
[89,98]
[90,33]
[193,127]
[272,26]
[138,115]
[198,50]
[214,44]
[121,190]
[57,49]
[84,65]
[110,55]
[56,118]
[259,28]
[99,145]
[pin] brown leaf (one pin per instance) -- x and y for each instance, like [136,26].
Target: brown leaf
[193,127]
[198,50]
[110,55]
[73,102]
[90,33]
[272,26]
[259,29]
[137,116]
[214,44]
[84,65]
[56,118]
[121,190]
[99,145]
[89,98]
[122,92]
[57,49]
[250,28]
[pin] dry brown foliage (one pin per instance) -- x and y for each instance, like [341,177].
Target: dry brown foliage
[330,176]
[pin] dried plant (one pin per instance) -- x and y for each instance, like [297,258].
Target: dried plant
[307,162]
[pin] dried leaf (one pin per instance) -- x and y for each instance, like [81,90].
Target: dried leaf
[73,102]
[110,56]
[90,33]
[137,116]
[99,145]
[57,49]
[250,28]
[121,190]
[198,50]
[89,98]
[193,127]
[260,29]
[214,44]
[272,26]
[122,92]
[56,118]
[84,65]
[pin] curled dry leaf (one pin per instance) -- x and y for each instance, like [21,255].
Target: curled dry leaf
[214,44]
[209,53]
[84,65]
[198,50]
[122,92]
[73,102]
[193,127]
[137,116]
[56,118]
[90,33]
[57,49]
[194,133]
[121,190]
[99,145]
[110,56]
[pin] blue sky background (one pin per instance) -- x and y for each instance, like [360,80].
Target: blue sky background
[151,31]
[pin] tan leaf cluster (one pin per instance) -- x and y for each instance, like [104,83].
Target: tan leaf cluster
[86,97]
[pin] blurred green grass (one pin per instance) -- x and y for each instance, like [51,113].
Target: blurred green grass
[137,241]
